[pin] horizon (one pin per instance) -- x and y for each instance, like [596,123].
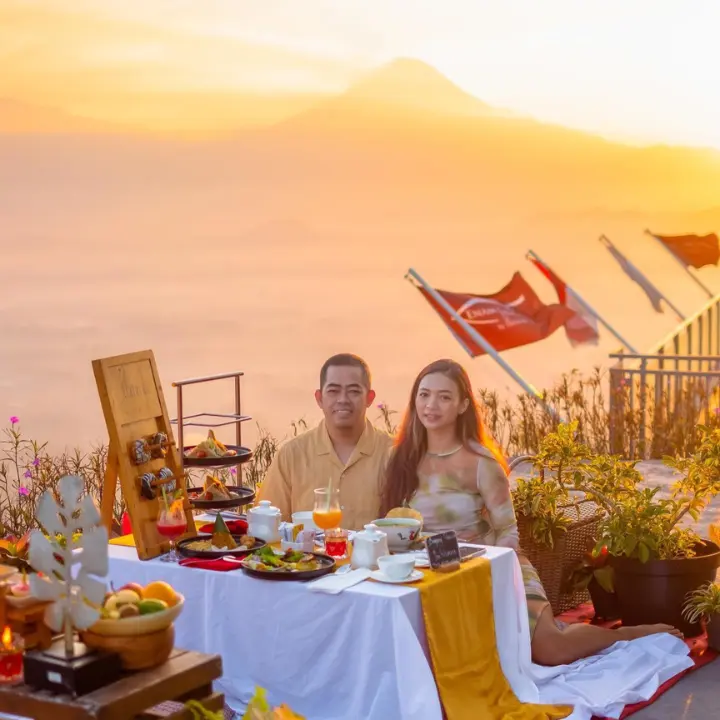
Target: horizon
[201,74]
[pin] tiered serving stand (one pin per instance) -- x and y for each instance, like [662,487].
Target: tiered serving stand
[245,495]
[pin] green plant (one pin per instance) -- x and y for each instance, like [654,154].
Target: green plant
[641,524]
[569,475]
[593,565]
[27,470]
[702,604]
[545,497]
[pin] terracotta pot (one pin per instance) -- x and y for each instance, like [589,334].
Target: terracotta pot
[712,627]
[605,603]
[654,592]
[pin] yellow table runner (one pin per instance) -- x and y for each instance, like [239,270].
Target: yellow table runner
[460,628]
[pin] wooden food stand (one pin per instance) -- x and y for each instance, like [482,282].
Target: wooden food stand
[134,408]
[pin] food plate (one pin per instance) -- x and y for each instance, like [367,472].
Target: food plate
[185,551]
[325,565]
[242,455]
[141,624]
[245,496]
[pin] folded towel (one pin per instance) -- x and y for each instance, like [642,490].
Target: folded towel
[220,565]
[236,527]
[334,584]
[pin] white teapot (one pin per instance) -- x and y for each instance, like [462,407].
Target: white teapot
[264,522]
[368,545]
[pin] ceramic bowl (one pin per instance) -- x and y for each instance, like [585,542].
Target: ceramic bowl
[140,624]
[396,567]
[401,532]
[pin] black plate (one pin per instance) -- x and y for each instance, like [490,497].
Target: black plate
[214,554]
[328,566]
[246,496]
[243,455]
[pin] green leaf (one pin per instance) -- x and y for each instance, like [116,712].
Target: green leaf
[604,577]
[643,552]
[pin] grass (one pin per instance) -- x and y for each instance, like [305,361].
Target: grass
[27,468]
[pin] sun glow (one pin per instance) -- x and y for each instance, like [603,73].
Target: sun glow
[644,71]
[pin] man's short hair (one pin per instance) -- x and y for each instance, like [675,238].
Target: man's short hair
[346,360]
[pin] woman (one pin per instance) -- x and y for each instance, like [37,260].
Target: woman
[446,467]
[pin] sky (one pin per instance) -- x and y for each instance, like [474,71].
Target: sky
[645,70]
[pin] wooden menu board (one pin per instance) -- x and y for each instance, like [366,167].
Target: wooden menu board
[134,408]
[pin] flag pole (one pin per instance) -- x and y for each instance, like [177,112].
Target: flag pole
[697,280]
[597,316]
[481,341]
[609,243]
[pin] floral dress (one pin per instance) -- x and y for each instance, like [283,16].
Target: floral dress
[468,491]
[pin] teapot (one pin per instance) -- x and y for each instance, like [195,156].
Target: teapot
[264,522]
[368,545]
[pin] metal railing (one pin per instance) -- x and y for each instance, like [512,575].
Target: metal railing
[656,399]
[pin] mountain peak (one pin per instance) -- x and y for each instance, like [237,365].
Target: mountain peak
[409,82]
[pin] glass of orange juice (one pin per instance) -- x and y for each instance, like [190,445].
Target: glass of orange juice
[327,513]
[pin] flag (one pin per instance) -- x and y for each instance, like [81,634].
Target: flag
[693,250]
[653,294]
[581,328]
[510,318]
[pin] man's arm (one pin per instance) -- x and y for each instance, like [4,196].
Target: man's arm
[276,485]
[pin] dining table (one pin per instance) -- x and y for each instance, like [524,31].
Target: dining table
[361,653]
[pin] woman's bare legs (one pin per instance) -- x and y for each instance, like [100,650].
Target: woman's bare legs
[552,645]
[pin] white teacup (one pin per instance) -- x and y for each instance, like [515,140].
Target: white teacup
[396,567]
[306,518]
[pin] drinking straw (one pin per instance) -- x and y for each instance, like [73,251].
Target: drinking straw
[329,492]
[167,507]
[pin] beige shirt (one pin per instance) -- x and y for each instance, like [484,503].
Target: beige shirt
[308,461]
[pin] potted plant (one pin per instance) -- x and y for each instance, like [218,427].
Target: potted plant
[557,518]
[595,574]
[657,561]
[703,605]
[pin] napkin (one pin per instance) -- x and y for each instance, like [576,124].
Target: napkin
[236,527]
[334,584]
[219,564]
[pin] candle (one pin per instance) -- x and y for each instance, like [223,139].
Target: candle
[11,656]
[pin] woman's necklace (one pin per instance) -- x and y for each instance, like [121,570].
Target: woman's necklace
[447,453]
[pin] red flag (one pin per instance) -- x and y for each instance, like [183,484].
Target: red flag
[512,317]
[693,250]
[581,328]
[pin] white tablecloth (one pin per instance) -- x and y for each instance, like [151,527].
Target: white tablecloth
[359,655]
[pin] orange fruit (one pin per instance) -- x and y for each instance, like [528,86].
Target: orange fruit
[159,590]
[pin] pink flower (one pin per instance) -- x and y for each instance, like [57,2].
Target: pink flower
[27,474]
[14,420]
[233,471]
[23,491]
[36,462]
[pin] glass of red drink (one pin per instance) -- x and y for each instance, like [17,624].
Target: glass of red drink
[172,523]
[336,543]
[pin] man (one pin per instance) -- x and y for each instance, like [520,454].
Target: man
[345,446]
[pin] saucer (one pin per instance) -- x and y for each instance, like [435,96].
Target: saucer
[414,576]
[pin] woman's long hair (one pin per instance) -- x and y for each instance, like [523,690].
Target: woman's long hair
[401,477]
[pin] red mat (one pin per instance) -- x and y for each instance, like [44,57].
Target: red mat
[700,654]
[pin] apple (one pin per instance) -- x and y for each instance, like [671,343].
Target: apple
[135,587]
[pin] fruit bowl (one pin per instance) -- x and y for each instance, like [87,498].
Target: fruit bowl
[139,624]
[401,532]
[139,652]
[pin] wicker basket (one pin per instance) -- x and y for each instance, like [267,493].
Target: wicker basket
[555,564]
